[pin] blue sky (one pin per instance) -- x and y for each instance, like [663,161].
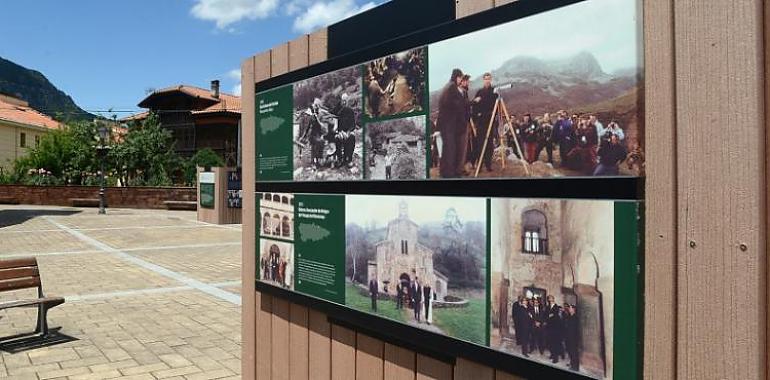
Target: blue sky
[106,54]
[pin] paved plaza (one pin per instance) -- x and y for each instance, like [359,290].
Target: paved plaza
[150,294]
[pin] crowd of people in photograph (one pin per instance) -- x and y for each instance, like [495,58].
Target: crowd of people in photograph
[383,75]
[463,134]
[547,327]
[329,132]
[415,295]
[276,269]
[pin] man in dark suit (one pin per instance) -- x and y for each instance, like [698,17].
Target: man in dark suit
[373,293]
[538,328]
[572,336]
[452,122]
[483,105]
[416,299]
[554,331]
[399,300]
[427,297]
[517,314]
[526,325]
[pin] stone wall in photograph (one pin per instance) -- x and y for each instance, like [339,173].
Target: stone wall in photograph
[128,197]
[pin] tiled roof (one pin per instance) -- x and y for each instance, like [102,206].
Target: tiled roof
[135,117]
[20,113]
[225,102]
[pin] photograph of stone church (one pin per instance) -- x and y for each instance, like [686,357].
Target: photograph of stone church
[420,261]
[552,282]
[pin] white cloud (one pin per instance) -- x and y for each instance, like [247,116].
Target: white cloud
[237,90]
[322,13]
[234,74]
[227,12]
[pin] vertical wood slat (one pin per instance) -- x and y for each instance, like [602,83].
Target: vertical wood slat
[661,207]
[500,375]
[280,340]
[319,342]
[319,46]
[298,342]
[264,336]
[399,363]
[468,370]
[432,369]
[766,26]
[719,79]
[248,258]
[263,302]
[343,353]
[369,352]
[279,59]
[468,7]
[299,52]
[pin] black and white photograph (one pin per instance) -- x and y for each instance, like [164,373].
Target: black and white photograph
[552,282]
[396,84]
[541,96]
[395,149]
[327,127]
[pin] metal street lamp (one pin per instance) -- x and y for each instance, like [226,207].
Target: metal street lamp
[101,152]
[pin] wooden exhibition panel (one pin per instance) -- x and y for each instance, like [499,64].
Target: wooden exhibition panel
[706,290]
[220,213]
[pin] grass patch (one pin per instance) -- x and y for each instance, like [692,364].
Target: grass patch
[385,308]
[468,323]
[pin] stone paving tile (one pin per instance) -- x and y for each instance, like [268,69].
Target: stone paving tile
[148,238]
[209,264]
[130,322]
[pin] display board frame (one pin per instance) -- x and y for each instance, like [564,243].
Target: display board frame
[608,188]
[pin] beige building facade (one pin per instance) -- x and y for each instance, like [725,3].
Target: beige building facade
[21,128]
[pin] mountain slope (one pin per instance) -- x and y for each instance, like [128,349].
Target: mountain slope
[41,94]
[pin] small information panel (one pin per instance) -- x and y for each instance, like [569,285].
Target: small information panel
[207,184]
[234,189]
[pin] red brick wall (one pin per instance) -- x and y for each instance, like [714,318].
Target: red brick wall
[128,197]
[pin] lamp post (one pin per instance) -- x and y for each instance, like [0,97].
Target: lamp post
[101,152]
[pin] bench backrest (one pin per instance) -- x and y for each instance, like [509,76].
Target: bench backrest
[19,274]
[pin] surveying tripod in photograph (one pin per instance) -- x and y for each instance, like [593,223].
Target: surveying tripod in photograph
[501,115]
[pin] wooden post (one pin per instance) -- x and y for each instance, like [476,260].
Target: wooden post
[722,260]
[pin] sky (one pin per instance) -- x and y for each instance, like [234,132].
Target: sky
[609,29]
[359,208]
[107,54]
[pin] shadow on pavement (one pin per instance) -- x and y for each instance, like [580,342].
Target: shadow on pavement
[18,216]
[23,342]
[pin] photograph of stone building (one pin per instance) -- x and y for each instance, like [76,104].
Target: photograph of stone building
[276,263]
[420,261]
[395,149]
[552,282]
[277,216]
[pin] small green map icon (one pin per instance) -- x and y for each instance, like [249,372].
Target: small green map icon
[270,124]
[312,232]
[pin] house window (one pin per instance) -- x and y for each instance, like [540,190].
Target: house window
[534,233]
[37,141]
[23,140]
[285,227]
[404,247]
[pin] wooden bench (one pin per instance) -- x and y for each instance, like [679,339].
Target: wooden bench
[85,202]
[23,273]
[181,205]
[6,200]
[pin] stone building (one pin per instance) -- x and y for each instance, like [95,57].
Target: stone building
[277,212]
[559,248]
[401,258]
[21,128]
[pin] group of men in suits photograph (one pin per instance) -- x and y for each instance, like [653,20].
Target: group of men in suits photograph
[409,295]
[547,327]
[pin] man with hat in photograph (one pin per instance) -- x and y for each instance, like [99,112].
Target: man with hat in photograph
[452,123]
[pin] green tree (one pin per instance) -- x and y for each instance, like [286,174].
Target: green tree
[205,158]
[146,155]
